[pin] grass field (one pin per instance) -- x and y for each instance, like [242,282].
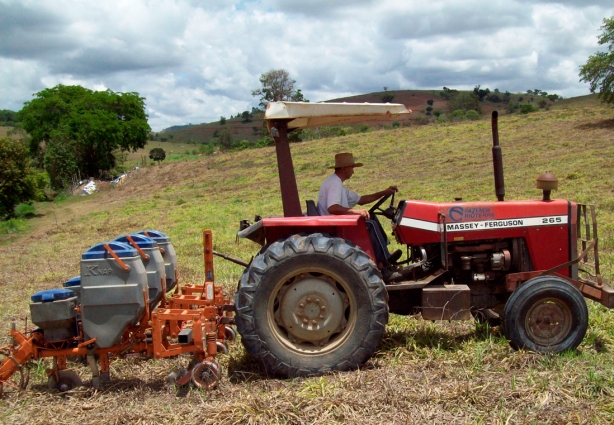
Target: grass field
[423,372]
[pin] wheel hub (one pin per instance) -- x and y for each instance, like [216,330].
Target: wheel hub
[312,309]
[549,321]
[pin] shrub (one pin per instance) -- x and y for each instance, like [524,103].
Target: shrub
[472,115]
[527,108]
[387,97]
[25,210]
[457,114]
[157,154]
[430,102]
[16,177]
[206,149]
[421,120]
[267,141]
[512,107]
[396,124]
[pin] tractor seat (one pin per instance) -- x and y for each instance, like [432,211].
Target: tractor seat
[312,209]
[380,244]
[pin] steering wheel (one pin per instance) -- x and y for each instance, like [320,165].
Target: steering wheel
[388,212]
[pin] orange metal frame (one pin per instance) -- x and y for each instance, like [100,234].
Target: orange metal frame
[201,308]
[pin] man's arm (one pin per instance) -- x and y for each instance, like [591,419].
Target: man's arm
[367,199]
[337,209]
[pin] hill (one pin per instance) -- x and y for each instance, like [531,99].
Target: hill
[416,100]
[423,372]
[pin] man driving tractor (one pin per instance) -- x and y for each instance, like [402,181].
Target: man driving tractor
[335,199]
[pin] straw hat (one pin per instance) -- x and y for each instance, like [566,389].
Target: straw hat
[345,159]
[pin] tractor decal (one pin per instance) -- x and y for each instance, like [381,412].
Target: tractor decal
[460,213]
[485,225]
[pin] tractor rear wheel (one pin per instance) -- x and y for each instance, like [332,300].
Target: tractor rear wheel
[311,304]
[547,315]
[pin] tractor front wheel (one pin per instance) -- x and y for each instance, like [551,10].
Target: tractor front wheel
[546,315]
[311,304]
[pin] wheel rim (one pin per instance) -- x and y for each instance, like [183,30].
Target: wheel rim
[312,312]
[206,375]
[548,321]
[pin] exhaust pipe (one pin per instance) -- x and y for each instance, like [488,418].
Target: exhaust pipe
[497,159]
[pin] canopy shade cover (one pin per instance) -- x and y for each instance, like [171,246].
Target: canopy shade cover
[305,114]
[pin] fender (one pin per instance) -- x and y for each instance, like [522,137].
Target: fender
[349,227]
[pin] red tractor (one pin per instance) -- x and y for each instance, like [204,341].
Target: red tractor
[316,298]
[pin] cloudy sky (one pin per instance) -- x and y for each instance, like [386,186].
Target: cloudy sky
[194,60]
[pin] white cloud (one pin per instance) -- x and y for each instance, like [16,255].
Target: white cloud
[195,61]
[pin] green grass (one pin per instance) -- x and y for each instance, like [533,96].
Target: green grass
[458,372]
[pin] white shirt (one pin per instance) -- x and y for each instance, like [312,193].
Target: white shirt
[334,192]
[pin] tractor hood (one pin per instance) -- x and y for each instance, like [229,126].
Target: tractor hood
[305,114]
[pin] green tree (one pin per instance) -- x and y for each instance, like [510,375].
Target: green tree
[224,137]
[598,70]
[157,154]
[17,180]
[92,125]
[465,101]
[223,120]
[297,96]
[430,102]
[480,93]
[247,117]
[8,117]
[60,160]
[387,97]
[277,85]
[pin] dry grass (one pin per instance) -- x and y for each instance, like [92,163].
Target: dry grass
[423,372]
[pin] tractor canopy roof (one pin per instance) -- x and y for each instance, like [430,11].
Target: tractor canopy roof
[305,114]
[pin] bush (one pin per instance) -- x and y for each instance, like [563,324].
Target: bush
[157,154]
[363,128]
[387,97]
[512,107]
[457,114]
[396,124]
[430,102]
[267,141]
[472,115]
[17,183]
[25,210]
[527,108]
[421,120]
[206,149]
